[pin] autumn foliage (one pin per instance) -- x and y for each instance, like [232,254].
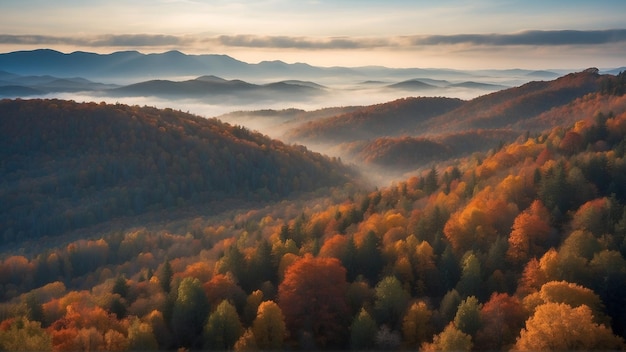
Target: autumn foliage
[521,247]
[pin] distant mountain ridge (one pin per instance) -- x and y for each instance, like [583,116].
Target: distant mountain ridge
[14,85]
[215,86]
[125,64]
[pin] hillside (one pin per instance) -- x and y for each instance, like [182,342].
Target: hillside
[507,107]
[411,153]
[512,249]
[70,165]
[407,134]
[387,119]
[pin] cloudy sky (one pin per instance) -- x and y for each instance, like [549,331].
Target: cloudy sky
[536,34]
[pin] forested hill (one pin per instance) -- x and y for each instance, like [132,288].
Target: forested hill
[66,165]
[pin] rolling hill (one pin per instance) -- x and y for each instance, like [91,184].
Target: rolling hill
[71,165]
[506,107]
[387,119]
[406,134]
[216,87]
[13,85]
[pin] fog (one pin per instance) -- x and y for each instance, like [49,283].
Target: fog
[275,122]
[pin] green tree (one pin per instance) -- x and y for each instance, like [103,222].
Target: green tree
[369,257]
[165,276]
[467,318]
[363,331]
[34,307]
[141,336]
[470,282]
[190,311]
[121,286]
[448,307]
[430,182]
[391,302]
[223,328]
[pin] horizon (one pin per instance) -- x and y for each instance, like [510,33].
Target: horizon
[559,70]
[397,34]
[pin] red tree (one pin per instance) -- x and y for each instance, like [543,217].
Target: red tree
[313,299]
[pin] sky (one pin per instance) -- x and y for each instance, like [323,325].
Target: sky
[477,34]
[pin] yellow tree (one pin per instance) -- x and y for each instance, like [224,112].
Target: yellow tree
[450,339]
[269,326]
[416,326]
[559,327]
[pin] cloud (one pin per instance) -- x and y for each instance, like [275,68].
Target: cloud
[531,38]
[285,42]
[109,40]
[561,37]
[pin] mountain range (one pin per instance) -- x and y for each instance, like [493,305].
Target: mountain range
[124,65]
[409,133]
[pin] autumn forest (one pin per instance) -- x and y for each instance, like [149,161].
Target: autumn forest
[135,228]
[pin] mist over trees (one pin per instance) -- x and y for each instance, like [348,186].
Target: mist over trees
[517,248]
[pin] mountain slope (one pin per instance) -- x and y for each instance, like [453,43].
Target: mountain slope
[387,119]
[506,107]
[67,165]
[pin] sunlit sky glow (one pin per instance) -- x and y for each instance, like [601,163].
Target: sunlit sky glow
[534,34]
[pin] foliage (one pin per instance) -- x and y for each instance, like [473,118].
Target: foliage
[559,327]
[223,328]
[457,256]
[321,282]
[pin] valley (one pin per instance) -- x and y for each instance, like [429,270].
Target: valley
[465,206]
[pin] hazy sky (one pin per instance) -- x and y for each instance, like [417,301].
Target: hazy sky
[401,33]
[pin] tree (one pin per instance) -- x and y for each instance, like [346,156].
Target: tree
[321,283]
[269,327]
[121,286]
[22,334]
[450,339]
[531,229]
[141,336]
[190,311]
[246,342]
[223,287]
[369,257]
[467,318]
[363,331]
[430,182]
[391,302]
[34,307]
[501,317]
[559,327]
[165,276]
[223,328]
[470,282]
[448,307]
[573,295]
[416,325]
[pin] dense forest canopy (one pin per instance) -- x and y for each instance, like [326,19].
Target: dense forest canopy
[522,247]
[68,165]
